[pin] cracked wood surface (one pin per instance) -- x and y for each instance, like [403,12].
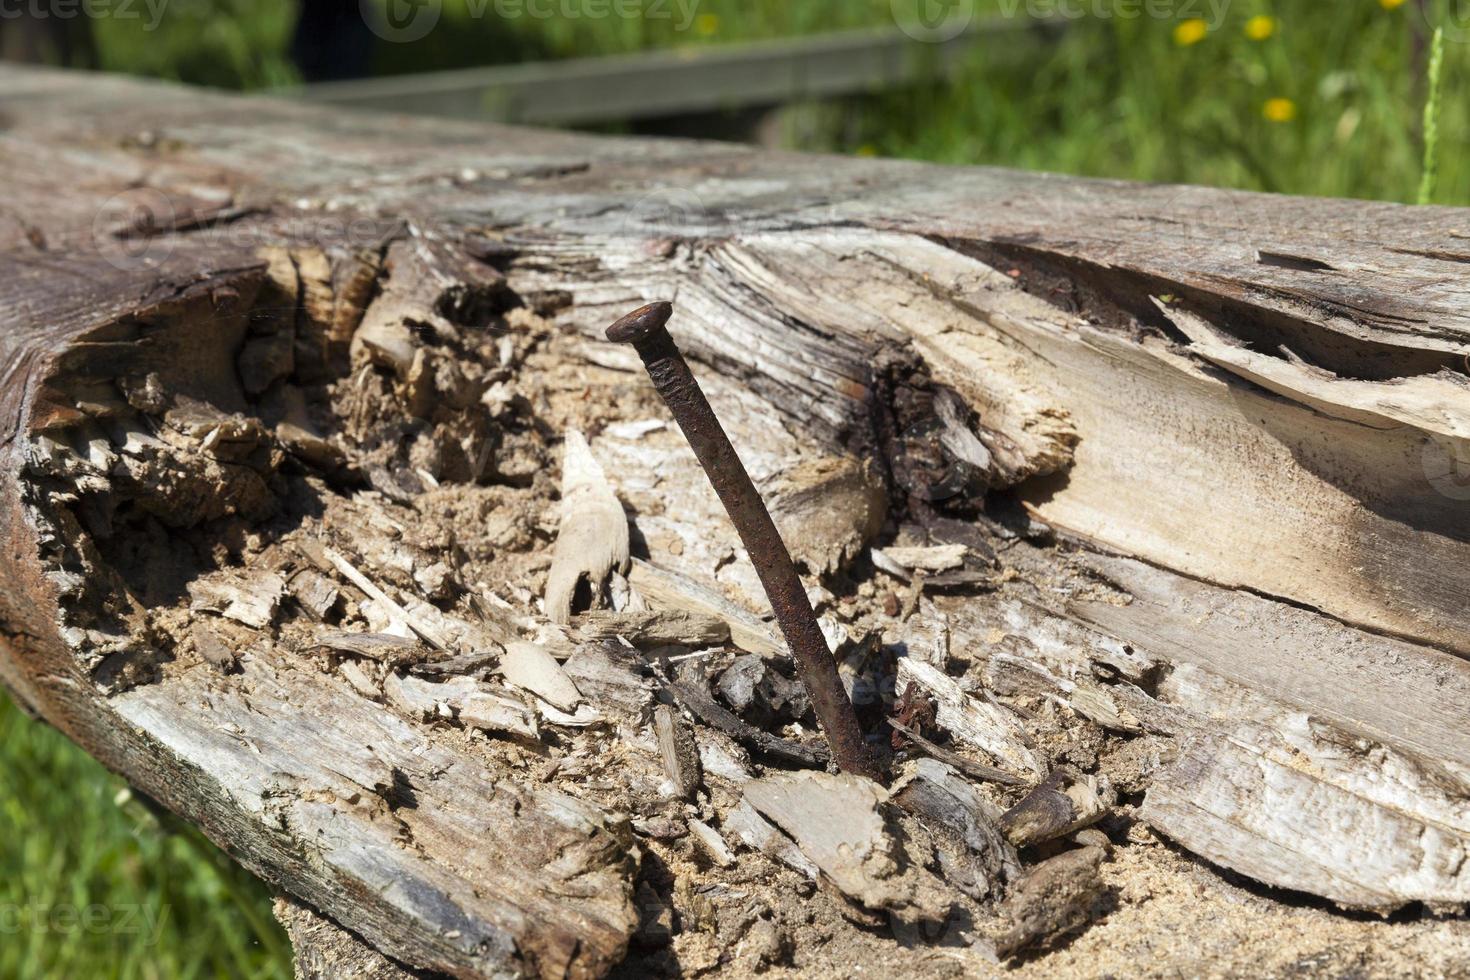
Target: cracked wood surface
[1303,455]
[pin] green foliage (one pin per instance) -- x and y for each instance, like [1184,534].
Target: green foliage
[94,883]
[1323,100]
[1432,109]
[239,44]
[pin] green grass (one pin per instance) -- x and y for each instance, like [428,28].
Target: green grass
[1117,98]
[95,884]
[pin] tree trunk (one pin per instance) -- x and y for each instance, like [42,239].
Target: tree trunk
[272,373]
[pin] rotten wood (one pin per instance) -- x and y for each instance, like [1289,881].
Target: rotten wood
[1242,416]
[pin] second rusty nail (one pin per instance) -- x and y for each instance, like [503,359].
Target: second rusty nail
[646,329]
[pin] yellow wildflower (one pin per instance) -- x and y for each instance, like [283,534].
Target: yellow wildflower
[1279,110]
[1390,4]
[1260,27]
[707,24]
[1190,31]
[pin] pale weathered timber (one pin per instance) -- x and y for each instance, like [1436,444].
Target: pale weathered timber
[1277,517]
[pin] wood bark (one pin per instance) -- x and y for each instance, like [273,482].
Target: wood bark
[1246,417]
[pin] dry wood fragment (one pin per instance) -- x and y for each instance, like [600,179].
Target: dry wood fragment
[585,716]
[827,509]
[1064,802]
[532,668]
[713,844]
[719,755]
[422,700]
[703,707]
[974,770]
[1008,674]
[473,664]
[358,679]
[494,712]
[611,676]
[981,724]
[385,648]
[214,651]
[669,590]
[757,833]
[1057,897]
[835,821]
[761,694]
[903,562]
[592,541]
[983,860]
[252,601]
[431,635]
[547,859]
[677,749]
[1248,803]
[661,627]
[315,592]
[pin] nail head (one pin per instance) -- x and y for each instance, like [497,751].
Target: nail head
[641,324]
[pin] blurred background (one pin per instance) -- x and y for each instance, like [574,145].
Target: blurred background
[1351,98]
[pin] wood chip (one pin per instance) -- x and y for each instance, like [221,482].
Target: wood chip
[424,701]
[1057,897]
[358,679]
[759,834]
[903,562]
[315,593]
[592,538]
[981,860]
[667,589]
[712,843]
[1065,801]
[348,571]
[835,821]
[611,676]
[703,707]
[252,601]
[758,692]
[662,627]
[385,648]
[493,712]
[533,668]
[473,664]
[678,750]
[981,724]
[214,651]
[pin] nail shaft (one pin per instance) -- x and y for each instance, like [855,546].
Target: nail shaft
[646,330]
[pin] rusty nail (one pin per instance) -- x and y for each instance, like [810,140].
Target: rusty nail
[645,329]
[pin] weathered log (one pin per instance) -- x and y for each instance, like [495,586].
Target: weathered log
[1245,417]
